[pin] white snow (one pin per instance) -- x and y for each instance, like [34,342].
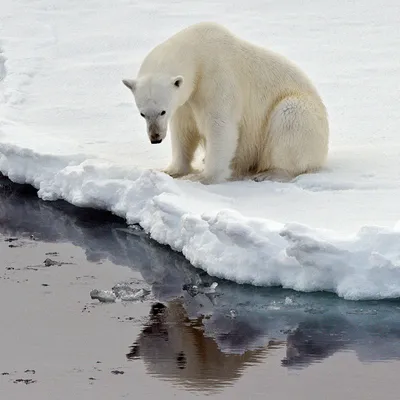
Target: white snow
[70,128]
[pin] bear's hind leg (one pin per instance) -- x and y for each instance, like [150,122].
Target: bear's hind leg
[298,135]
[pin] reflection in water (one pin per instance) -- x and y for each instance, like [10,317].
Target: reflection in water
[209,340]
[174,347]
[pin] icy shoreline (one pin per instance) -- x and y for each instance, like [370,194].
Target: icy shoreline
[224,243]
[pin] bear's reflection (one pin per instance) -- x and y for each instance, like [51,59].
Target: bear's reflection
[176,348]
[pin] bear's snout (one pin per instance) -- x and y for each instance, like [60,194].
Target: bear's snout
[155,132]
[155,139]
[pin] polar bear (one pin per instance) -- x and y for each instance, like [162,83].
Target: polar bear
[254,112]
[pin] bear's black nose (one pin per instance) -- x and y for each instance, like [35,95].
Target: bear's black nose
[155,138]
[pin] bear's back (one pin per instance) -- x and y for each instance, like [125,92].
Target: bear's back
[207,49]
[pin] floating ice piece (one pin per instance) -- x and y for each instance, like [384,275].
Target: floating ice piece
[233,314]
[105,296]
[134,295]
[120,292]
[194,290]
[288,301]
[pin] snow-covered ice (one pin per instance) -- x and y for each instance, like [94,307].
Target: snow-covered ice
[69,127]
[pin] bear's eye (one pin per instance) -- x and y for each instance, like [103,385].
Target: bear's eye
[162,113]
[142,115]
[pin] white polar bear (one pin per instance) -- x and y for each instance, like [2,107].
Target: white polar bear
[255,112]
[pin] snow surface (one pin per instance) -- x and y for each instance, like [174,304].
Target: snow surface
[70,128]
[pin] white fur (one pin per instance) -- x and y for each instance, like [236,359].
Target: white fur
[256,113]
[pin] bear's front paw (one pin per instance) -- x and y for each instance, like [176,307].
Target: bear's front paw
[201,178]
[175,172]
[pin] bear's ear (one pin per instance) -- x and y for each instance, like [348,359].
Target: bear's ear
[130,84]
[177,81]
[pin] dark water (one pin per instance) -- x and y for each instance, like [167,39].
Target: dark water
[201,337]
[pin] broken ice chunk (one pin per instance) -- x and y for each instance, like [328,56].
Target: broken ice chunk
[288,301]
[134,295]
[121,289]
[193,290]
[105,296]
[205,288]
[120,292]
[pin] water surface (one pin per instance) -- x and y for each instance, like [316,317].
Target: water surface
[239,342]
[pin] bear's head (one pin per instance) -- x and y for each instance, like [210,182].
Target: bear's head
[157,98]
